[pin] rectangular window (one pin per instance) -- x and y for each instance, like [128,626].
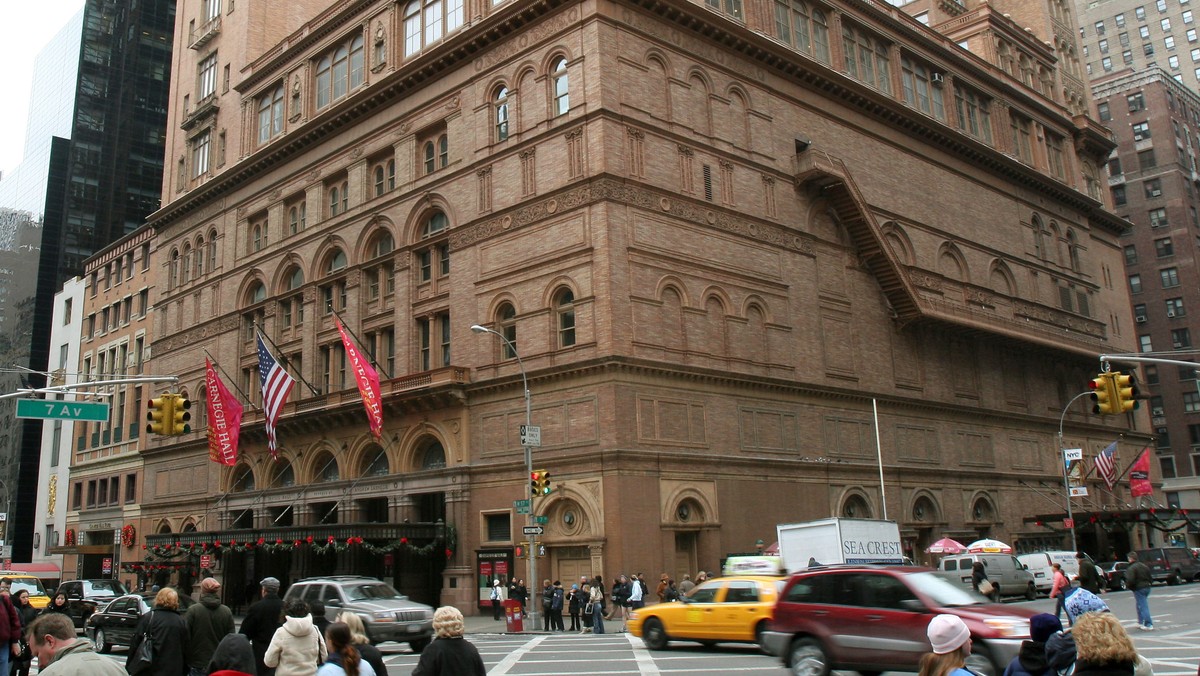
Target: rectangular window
[1130,254]
[1022,131]
[1146,159]
[206,78]
[1181,338]
[1120,19]
[1106,64]
[1169,277]
[1135,283]
[200,152]
[1175,307]
[1140,13]
[1054,152]
[974,116]
[1124,38]
[1161,5]
[1158,218]
[1099,28]
[1146,345]
[1191,35]
[1127,57]
[1105,113]
[1118,195]
[1144,32]
[1136,102]
[130,488]
[1166,25]
[1153,188]
[498,527]
[1187,17]
[1191,402]
[1103,44]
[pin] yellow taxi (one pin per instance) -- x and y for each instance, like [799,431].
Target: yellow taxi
[38,598]
[721,610]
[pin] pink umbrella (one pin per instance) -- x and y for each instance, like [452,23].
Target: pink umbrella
[989,546]
[945,546]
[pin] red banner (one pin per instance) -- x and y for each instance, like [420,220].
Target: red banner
[224,419]
[368,382]
[1139,476]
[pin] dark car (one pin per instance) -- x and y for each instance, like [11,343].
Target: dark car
[1114,574]
[1172,565]
[873,618]
[115,624]
[387,614]
[85,597]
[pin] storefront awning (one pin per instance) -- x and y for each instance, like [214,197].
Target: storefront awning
[44,570]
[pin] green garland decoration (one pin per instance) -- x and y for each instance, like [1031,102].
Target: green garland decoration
[447,545]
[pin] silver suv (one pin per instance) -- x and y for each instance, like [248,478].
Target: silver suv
[387,614]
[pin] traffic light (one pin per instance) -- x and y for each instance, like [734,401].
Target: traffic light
[521,550]
[1126,392]
[1104,394]
[161,415]
[180,415]
[539,481]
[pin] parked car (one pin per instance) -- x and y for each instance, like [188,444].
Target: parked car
[387,614]
[38,598]
[1003,570]
[1114,574]
[1040,564]
[721,610]
[873,618]
[85,597]
[1170,564]
[115,624]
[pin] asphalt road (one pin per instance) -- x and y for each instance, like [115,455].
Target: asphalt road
[1171,648]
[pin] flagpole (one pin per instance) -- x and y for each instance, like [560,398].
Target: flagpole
[360,342]
[281,357]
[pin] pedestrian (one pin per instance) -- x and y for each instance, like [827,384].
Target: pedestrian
[208,622]
[547,597]
[1102,648]
[1089,577]
[672,593]
[661,590]
[557,600]
[522,596]
[10,625]
[1031,660]
[981,583]
[297,648]
[343,658]
[60,652]
[497,598]
[168,636]
[701,577]
[575,603]
[451,654]
[233,656]
[620,599]
[316,608]
[686,585]
[596,602]
[58,604]
[1080,601]
[585,608]
[1058,588]
[640,578]
[1137,578]
[20,664]
[262,619]
[358,638]
[951,642]
[636,594]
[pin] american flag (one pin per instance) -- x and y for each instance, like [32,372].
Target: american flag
[276,385]
[1106,465]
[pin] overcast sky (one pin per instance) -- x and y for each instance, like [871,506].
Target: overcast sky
[25,28]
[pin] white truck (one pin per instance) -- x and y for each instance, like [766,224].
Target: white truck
[837,540]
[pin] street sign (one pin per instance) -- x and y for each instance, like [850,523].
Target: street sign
[542,519]
[62,410]
[1072,454]
[531,435]
[1068,523]
[522,506]
[1079,491]
[532,530]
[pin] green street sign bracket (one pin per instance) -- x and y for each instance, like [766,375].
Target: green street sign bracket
[48,409]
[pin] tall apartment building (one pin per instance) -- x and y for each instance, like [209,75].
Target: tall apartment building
[1154,180]
[1134,35]
[718,235]
[102,181]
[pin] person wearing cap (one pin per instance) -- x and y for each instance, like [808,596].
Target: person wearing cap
[1031,661]
[450,654]
[208,622]
[263,618]
[1080,601]
[497,599]
[1089,576]
[951,642]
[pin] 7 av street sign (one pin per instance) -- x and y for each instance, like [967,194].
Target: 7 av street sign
[62,410]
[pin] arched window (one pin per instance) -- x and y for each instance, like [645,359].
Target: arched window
[243,479]
[425,26]
[429,157]
[340,71]
[212,250]
[258,293]
[327,469]
[564,313]
[256,238]
[558,76]
[443,151]
[375,463]
[173,270]
[433,456]
[379,184]
[270,114]
[506,318]
[336,261]
[296,279]
[855,507]
[284,475]
[198,268]
[1073,250]
[382,244]
[185,267]
[500,105]
[866,58]
[435,224]
[334,201]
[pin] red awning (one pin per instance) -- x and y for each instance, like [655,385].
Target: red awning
[46,571]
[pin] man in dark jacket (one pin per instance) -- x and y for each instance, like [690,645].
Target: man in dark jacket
[263,618]
[1089,577]
[1031,661]
[208,622]
[10,626]
[1137,578]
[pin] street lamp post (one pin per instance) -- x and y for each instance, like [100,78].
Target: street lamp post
[531,553]
[1062,460]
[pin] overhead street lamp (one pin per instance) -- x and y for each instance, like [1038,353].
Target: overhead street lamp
[531,553]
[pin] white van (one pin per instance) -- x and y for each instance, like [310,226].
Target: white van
[1003,570]
[1039,563]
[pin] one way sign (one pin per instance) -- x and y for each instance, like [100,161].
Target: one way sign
[533,530]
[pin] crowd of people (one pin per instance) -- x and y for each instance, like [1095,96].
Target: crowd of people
[589,603]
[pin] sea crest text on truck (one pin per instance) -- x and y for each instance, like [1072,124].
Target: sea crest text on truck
[870,548]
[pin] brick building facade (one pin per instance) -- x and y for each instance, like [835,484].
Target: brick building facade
[719,237]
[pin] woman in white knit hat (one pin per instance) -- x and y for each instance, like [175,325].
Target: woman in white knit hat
[951,642]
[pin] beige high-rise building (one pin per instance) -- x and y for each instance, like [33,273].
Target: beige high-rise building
[746,253]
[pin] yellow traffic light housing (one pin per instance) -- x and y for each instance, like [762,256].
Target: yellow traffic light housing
[180,415]
[1104,395]
[539,481]
[161,415]
[1125,392]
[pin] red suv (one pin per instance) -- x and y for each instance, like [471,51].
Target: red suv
[873,618]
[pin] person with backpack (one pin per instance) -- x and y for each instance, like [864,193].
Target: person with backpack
[557,599]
